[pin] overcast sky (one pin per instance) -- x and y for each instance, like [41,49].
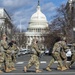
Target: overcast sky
[22,10]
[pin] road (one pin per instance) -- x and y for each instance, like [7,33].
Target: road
[23,60]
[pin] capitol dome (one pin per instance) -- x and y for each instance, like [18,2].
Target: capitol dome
[38,19]
[38,28]
[38,16]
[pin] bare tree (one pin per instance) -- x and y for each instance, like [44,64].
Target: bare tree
[63,22]
[60,26]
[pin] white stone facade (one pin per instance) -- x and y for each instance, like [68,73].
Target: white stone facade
[5,23]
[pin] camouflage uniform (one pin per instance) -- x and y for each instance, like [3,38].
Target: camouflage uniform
[73,55]
[5,49]
[63,53]
[34,58]
[14,51]
[56,57]
[8,58]
[2,57]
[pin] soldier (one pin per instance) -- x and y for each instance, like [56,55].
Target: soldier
[56,57]
[5,49]
[34,58]
[63,52]
[73,55]
[14,50]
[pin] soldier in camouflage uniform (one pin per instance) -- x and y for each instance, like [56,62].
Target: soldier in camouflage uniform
[63,52]
[73,55]
[34,58]
[5,49]
[56,57]
[14,50]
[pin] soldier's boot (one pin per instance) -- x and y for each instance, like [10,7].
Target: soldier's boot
[1,71]
[10,68]
[67,67]
[7,70]
[38,71]
[63,68]
[48,69]
[13,68]
[58,68]
[25,69]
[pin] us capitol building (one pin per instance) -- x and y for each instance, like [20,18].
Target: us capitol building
[38,27]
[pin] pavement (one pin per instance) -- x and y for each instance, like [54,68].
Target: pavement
[44,60]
